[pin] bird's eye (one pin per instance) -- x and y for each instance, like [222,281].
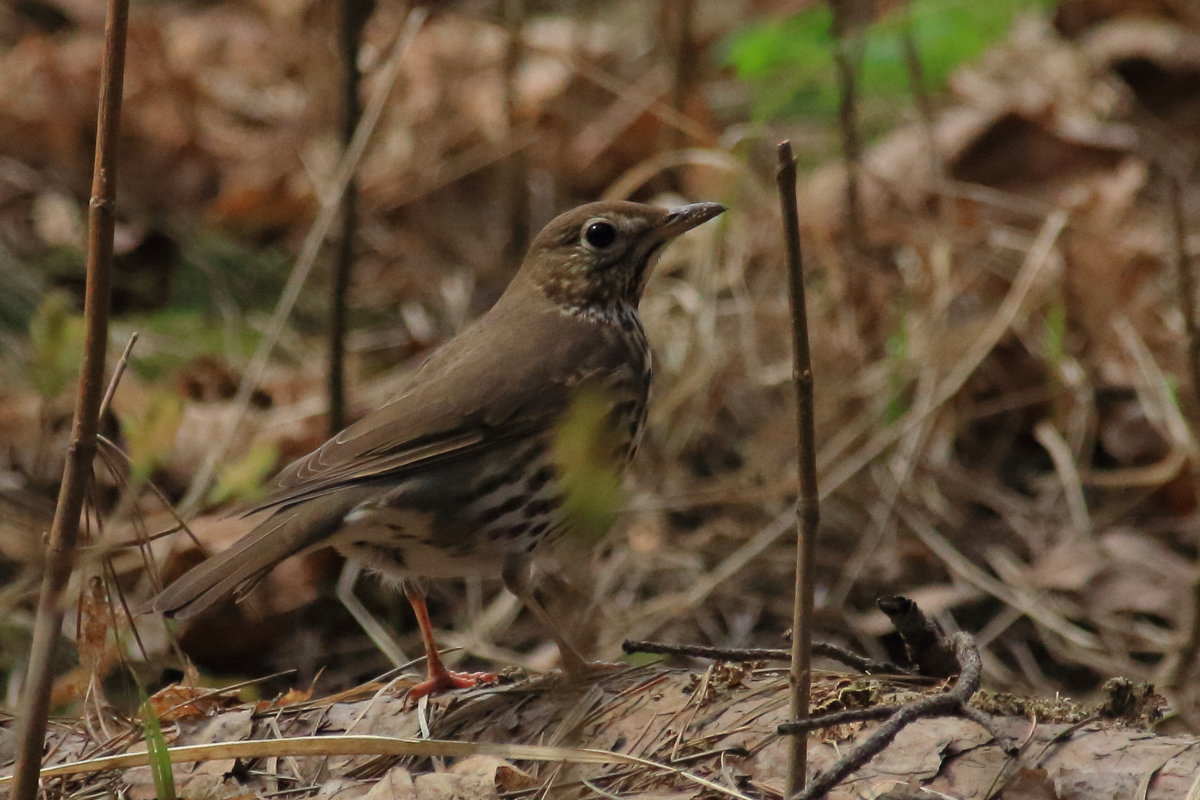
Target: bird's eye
[599,234]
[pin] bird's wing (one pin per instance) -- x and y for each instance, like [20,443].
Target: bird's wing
[460,403]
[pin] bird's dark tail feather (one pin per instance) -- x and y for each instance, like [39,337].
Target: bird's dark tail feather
[285,533]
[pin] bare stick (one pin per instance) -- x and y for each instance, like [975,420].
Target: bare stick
[808,513]
[920,92]
[925,644]
[847,56]
[1186,657]
[952,702]
[826,649]
[354,15]
[517,167]
[118,373]
[683,73]
[64,530]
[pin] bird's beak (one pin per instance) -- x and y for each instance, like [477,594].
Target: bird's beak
[683,218]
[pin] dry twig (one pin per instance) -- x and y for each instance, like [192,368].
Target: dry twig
[952,702]
[1185,659]
[847,56]
[826,649]
[64,531]
[517,167]
[807,504]
[354,16]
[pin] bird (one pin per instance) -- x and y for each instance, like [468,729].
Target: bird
[464,471]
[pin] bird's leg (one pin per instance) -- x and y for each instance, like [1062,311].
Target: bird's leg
[374,629]
[439,678]
[516,580]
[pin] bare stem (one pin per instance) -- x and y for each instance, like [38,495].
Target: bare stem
[1186,657]
[738,654]
[517,165]
[64,530]
[683,68]
[807,504]
[355,14]
[920,92]
[952,702]
[118,373]
[847,56]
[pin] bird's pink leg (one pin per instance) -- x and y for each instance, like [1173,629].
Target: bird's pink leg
[439,678]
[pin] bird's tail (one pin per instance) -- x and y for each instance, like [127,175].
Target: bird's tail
[236,569]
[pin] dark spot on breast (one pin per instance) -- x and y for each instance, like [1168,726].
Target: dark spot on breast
[529,456]
[540,507]
[540,478]
[517,530]
[494,482]
[540,528]
[511,504]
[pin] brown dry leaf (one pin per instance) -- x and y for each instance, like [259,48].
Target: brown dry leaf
[288,698]
[397,784]
[499,772]
[448,786]
[1069,566]
[351,789]
[1031,784]
[24,519]
[177,702]
[1145,577]
[92,638]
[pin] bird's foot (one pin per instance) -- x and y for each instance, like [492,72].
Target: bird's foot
[447,681]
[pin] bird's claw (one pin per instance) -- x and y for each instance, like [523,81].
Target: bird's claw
[447,681]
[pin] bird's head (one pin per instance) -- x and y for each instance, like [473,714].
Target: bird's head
[599,255]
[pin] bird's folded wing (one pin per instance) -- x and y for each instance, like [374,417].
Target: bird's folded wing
[310,477]
[460,403]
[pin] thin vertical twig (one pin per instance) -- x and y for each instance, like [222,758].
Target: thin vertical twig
[64,530]
[388,73]
[683,73]
[518,168]
[847,56]
[354,16]
[1185,658]
[920,92]
[118,373]
[808,515]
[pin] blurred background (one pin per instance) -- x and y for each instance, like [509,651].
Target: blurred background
[999,211]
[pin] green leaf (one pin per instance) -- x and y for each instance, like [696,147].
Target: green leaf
[1054,333]
[159,755]
[788,62]
[899,381]
[244,479]
[150,436]
[55,345]
[584,449]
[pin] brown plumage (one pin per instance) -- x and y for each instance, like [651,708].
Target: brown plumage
[457,475]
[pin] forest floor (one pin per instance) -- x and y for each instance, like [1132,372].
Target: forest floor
[1004,398]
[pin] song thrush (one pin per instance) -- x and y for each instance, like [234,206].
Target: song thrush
[462,473]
